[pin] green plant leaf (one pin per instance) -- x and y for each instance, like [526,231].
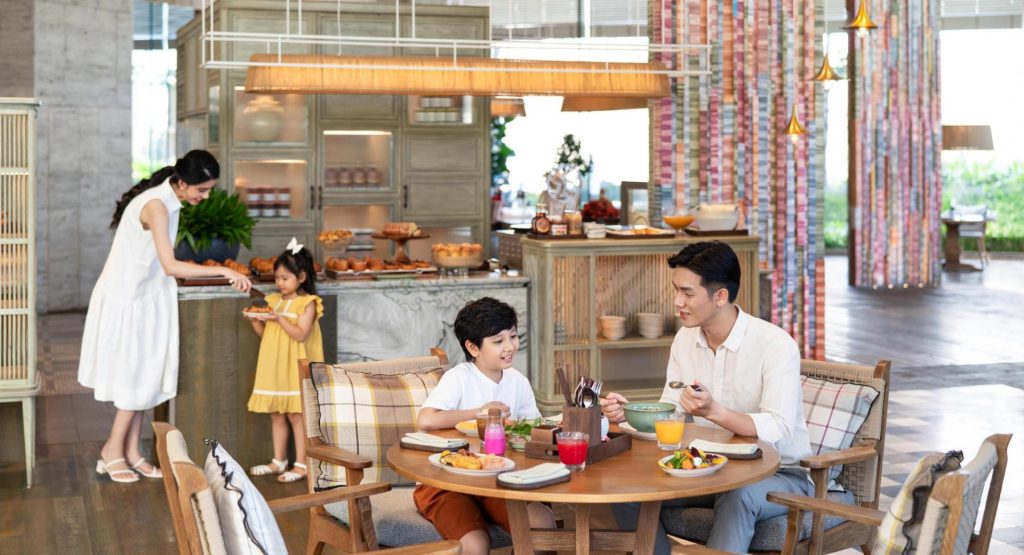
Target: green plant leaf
[221,215]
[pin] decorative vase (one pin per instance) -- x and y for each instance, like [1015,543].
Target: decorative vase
[219,250]
[264,119]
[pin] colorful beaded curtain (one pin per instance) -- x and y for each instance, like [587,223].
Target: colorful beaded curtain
[896,167]
[720,139]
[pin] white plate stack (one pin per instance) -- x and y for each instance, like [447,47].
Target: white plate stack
[613,327]
[651,324]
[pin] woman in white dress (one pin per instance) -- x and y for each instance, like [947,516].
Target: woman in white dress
[130,341]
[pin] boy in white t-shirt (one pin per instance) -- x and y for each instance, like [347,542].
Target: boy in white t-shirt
[486,330]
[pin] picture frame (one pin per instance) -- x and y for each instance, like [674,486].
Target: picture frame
[636,203]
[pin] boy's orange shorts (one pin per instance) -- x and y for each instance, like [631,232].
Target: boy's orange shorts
[457,514]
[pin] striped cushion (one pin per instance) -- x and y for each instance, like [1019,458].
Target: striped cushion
[891,538]
[834,413]
[365,414]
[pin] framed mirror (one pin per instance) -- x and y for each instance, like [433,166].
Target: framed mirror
[635,203]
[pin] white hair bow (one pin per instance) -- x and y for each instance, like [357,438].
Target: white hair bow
[294,246]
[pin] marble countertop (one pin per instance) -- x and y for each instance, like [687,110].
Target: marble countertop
[334,287]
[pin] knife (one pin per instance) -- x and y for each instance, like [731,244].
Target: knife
[258,297]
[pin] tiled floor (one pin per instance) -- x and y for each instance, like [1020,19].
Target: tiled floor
[958,376]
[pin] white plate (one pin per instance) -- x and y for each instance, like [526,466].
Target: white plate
[256,315]
[682,473]
[435,460]
[626,427]
[467,427]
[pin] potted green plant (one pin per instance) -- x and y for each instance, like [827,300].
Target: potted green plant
[214,229]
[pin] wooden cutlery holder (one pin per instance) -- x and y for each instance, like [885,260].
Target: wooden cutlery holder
[579,419]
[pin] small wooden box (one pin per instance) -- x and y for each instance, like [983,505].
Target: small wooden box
[544,434]
[588,421]
[617,443]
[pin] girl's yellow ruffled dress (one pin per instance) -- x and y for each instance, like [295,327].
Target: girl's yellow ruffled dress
[277,369]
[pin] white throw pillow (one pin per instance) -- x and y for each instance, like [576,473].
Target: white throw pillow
[248,526]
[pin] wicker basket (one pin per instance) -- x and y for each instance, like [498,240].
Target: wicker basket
[469,261]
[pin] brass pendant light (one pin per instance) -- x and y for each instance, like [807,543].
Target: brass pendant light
[862,23]
[793,128]
[826,73]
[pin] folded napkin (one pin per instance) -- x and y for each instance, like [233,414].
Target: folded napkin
[725,448]
[539,473]
[430,440]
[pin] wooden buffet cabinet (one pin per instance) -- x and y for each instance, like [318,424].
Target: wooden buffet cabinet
[574,281]
[306,163]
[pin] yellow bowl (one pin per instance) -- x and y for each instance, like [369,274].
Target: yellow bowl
[679,221]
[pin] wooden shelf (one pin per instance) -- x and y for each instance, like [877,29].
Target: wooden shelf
[572,346]
[635,342]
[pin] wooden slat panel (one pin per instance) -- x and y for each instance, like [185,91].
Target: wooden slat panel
[17,213]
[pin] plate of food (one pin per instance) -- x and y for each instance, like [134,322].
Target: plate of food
[467,427]
[257,312]
[638,232]
[467,463]
[691,462]
[629,429]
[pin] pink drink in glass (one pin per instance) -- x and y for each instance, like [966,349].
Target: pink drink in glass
[572,450]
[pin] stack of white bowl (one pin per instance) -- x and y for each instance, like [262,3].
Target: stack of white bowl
[594,230]
[613,327]
[651,324]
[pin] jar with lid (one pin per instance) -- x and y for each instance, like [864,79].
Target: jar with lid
[372,175]
[344,176]
[255,209]
[541,224]
[284,194]
[573,221]
[269,210]
[284,209]
[359,175]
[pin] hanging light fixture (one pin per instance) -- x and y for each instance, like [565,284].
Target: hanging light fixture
[862,23]
[826,75]
[507,106]
[793,128]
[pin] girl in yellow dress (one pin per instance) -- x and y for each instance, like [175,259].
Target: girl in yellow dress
[291,332]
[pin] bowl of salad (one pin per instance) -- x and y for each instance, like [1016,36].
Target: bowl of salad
[691,462]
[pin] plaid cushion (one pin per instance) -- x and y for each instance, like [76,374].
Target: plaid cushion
[834,413]
[891,537]
[365,414]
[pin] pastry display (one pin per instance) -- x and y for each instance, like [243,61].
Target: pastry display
[229,263]
[401,229]
[262,265]
[353,264]
[458,255]
[335,238]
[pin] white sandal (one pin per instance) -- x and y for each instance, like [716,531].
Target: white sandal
[102,468]
[266,469]
[292,476]
[155,473]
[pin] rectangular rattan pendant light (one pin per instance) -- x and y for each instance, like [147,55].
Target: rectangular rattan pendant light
[312,74]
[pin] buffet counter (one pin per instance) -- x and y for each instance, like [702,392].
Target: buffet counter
[363,320]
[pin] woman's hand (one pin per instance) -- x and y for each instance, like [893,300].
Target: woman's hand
[238,281]
[612,405]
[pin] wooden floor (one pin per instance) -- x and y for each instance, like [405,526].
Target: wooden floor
[966,332]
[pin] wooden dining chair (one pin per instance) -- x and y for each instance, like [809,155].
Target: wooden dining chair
[860,477]
[951,513]
[191,503]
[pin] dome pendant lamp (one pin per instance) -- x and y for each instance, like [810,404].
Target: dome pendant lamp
[862,23]
[794,129]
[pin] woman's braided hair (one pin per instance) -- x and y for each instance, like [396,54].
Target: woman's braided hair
[198,166]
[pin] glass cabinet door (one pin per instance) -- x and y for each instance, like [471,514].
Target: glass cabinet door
[273,189]
[270,119]
[357,161]
[441,110]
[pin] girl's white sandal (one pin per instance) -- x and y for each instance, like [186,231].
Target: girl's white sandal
[267,469]
[292,476]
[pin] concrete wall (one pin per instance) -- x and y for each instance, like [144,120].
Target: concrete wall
[83,79]
[16,48]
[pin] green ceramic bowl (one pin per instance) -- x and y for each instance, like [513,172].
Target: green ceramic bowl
[641,415]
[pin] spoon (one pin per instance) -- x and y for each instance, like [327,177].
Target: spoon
[681,385]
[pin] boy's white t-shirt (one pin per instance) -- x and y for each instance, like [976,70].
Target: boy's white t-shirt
[466,387]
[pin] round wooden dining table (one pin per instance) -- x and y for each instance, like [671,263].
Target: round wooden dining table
[631,476]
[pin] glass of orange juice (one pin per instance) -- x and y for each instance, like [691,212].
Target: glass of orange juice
[669,429]
[679,219]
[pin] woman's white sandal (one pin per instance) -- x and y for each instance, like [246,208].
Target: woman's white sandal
[292,476]
[103,468]
[155,473]
[266,469]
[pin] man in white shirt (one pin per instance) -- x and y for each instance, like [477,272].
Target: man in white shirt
[742,375]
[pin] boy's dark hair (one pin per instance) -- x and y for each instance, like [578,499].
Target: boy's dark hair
[481,319]
[296,264]
[715,263]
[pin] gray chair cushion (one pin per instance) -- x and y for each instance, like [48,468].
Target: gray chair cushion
[695,524]
[398,523]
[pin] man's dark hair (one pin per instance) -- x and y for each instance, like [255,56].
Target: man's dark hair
[481,319]
[715,263]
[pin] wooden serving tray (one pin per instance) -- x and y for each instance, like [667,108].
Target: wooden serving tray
[195,282]
[617,443]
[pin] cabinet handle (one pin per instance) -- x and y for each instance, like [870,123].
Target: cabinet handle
[405,196]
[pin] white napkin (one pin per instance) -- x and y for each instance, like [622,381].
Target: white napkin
[724,448]
[539,473]
[430,440]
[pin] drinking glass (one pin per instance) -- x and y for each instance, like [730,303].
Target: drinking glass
[679,219]
[572,449]
[669,429]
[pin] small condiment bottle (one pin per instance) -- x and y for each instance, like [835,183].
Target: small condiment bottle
[494,433]
[541,224]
